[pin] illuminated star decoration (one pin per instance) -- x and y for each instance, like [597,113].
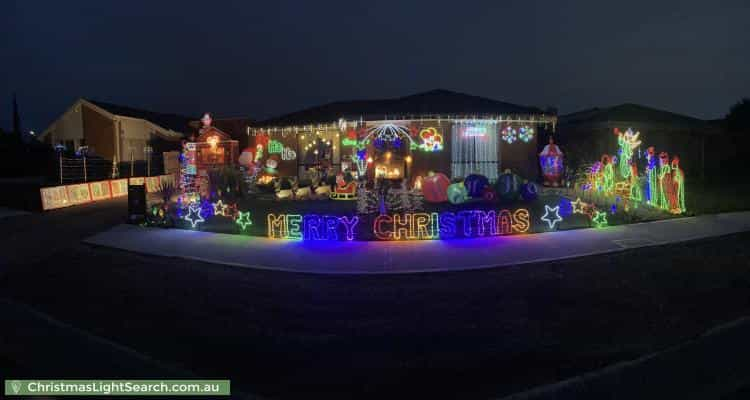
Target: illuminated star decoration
[600,219]
[243,220]
[556,216]
[194,215]
[578,206]
[220,208]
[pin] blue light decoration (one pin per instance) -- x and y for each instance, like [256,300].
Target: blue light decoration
[509,134]
[310,226]
[566,207]
[194,215]
[551,216]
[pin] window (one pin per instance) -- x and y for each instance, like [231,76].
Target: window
[474,149]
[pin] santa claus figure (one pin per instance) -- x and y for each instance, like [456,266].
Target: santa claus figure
[551,161]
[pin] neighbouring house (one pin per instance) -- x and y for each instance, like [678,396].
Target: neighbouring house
[116,132]
[586,135]
[407,137]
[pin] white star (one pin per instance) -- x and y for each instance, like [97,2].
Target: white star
[546,218]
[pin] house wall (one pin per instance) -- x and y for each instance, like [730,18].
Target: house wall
[521,157]
[69,127]
[98,130]
[134,136]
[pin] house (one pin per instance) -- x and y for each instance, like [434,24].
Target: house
[406,137]
[115,132]
[237,128]
[587,134]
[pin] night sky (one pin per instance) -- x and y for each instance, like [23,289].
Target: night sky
[258,59]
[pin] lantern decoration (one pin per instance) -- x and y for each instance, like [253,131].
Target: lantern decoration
[509,134]
[475,185]
[457,193]
[508,186]
[551,161]
[529,191]
[526,133]
[435,187]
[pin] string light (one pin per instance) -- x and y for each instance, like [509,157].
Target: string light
[600,219]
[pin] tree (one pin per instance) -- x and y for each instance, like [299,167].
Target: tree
[738,119]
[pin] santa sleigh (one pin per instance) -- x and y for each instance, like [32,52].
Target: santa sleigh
[347,191]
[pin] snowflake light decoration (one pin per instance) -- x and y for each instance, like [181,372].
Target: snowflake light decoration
[526,134]
[509,134]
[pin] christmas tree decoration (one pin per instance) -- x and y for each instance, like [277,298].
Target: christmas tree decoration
[194,215]
[551,216]
[243,220]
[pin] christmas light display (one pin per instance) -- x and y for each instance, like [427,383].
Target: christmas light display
[275,147]
[578,206]
[447,225]
[509,134]
[388,133]
[243,220]
[677,201]
[220,208]
[194,215]
[551,216]
[287,154]
[526,134]
[431,140]
[627,141]
[310,226]
[600,219]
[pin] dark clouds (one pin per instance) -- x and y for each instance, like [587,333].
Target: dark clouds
[258,59]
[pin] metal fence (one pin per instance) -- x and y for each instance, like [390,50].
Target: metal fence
[87,169]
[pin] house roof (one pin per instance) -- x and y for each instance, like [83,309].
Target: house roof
[234,127]
[630,113]
[174,122]
[434,102]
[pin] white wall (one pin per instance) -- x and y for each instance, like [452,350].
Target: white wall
[134,134]
[68,127]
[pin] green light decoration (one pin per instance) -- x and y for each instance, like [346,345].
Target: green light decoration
[275,147]
[600,219]
[243,220]
[627,142]
[608,178]
[349,142]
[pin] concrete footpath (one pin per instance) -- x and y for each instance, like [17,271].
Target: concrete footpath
[413,256]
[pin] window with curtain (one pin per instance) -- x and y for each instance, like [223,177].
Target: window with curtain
[474,149]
